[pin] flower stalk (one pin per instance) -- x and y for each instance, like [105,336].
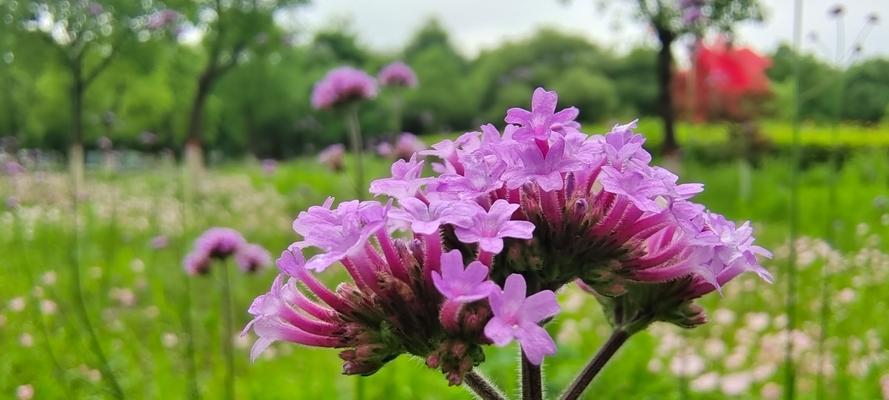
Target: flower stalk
[482,388]
[532,379]
[227,329]
[618,337]
[357,143]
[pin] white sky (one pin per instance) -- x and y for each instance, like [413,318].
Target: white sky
[475,25]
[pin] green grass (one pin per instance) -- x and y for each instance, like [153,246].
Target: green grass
[121,213]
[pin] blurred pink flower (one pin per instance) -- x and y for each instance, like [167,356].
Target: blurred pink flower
[397,74]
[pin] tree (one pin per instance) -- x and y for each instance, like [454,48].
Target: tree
[669,23]
[232,30]
[86,37]
[867,91]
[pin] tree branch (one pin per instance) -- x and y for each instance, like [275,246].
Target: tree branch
[92,75]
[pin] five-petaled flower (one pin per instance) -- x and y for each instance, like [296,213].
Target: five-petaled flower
[518,317]
[488,228]
[462,285]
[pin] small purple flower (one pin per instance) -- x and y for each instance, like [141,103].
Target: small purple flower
[405,180]
[692,11]
[407,145]
[252,257]
[342,85]
[196,263]
[517,317]
[385,149]
[482,174]
[161,19]
[623,147]
[269,166]
[426,219]
[332,156]
[338,232]
[488,228]
[544,170]
[12,202]
[220,242]
[637,187]
[96,9]
[543,119]
[159,242]
[397,74]
[462,285]
[733,254]
[12,168]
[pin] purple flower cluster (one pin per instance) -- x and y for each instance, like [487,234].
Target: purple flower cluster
[343,85]
[397,74]
[508,218]
[219,244]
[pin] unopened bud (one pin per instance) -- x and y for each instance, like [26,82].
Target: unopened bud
[433,361]
[458,349]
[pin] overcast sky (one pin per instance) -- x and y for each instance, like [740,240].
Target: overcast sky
[475,25]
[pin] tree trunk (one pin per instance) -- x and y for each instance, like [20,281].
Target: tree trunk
[665,98]
[75,152]
[194,158]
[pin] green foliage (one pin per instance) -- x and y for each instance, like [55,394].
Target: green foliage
[593,94]
[866,91]
[260,104]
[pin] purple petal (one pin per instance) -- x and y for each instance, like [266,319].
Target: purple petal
[539,306]
[536,342]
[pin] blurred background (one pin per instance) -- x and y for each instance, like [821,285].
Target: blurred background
[128,127]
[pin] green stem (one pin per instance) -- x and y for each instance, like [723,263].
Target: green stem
[357,144]
[359,388]
[618,337]
[482,388]
[80,304]
[532,380]
[227,326]
[790,304]
[185,303]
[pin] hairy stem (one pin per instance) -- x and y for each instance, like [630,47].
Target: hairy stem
[618,337]
[532,380]
[482,388]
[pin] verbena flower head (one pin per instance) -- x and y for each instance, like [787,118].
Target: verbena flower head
[397,74]
[332,156]
[407,145]
[252,257]
[343,85]
[529,209]
[220,242]
[215,243]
